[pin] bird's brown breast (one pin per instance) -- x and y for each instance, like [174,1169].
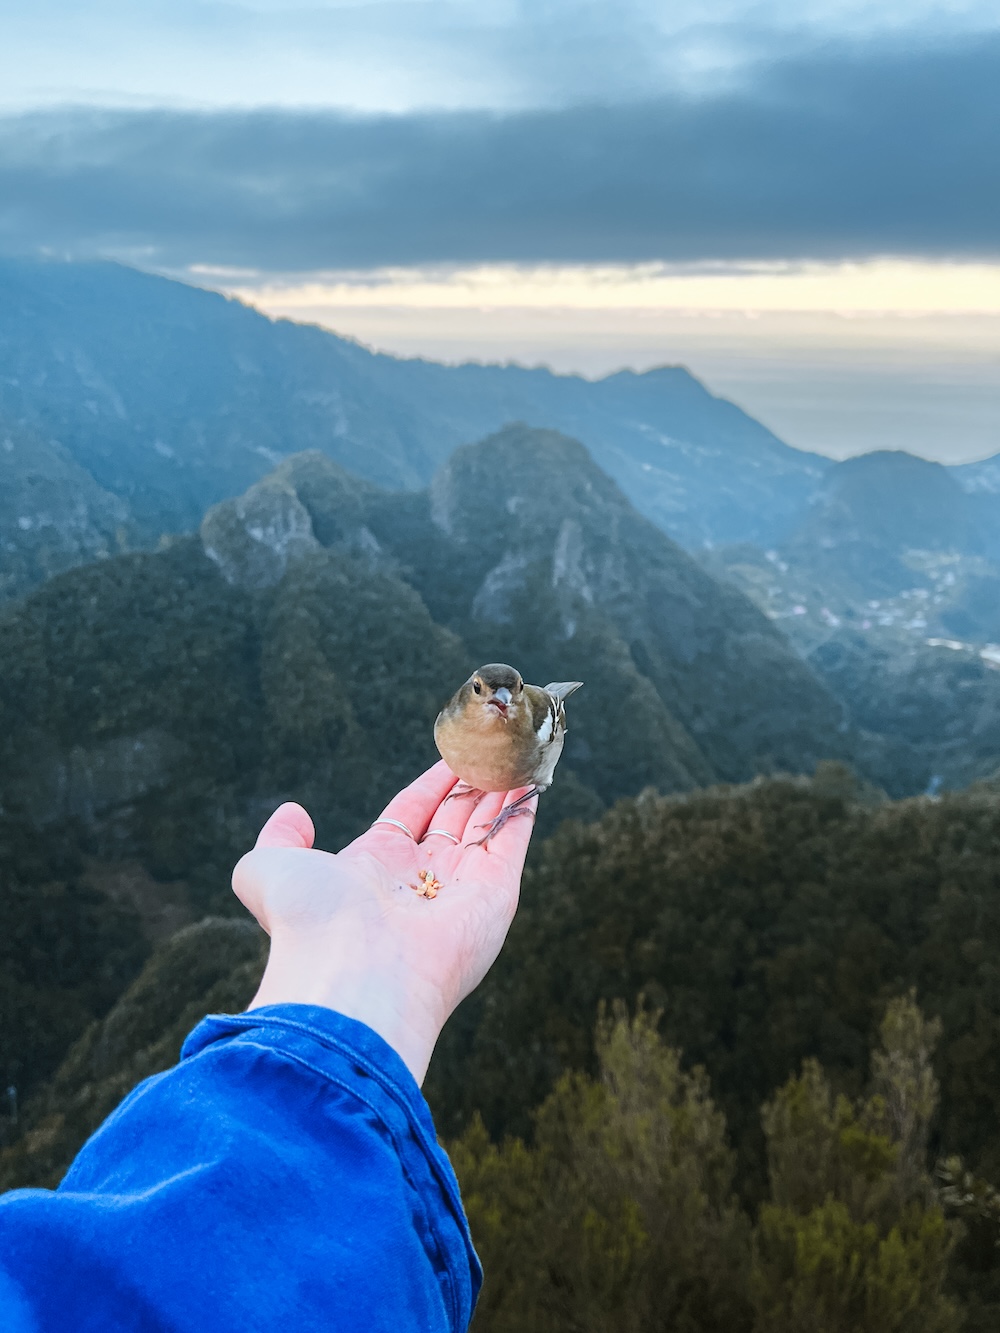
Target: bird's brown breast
[485,751]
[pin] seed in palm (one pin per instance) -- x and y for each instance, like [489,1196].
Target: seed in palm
[428,886]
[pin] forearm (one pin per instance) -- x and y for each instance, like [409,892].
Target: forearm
[332,969]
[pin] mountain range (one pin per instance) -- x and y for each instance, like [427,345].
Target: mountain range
[131,404]
[171,398]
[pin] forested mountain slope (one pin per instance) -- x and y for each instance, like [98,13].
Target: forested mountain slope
[304,643]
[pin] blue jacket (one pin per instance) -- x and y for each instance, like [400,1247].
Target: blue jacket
[284,1176]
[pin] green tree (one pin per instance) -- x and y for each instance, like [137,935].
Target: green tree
[975,1264]
[772,923]
[853,1238]
[620,1217]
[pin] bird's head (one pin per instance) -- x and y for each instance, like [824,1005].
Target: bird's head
[496,689]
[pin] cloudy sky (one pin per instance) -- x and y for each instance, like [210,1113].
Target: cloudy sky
[799,201]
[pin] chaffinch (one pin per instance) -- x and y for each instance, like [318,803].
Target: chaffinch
[496,733]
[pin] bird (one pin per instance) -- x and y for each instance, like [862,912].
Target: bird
[497,733]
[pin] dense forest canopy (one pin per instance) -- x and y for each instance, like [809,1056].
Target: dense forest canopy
[748,947]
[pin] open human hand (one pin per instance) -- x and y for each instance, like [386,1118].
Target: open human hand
[354,932]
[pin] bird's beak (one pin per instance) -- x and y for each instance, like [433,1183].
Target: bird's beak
[500,700]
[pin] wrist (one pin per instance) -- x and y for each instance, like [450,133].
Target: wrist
[406,1012]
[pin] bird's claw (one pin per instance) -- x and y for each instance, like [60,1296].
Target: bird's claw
[463,789]
[518,807]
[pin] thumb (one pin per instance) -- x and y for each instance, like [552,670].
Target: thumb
[289,826]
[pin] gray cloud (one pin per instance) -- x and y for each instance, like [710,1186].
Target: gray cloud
[844,153]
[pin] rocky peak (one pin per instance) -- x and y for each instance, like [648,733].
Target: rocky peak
[555,557]
[306,504]
[254,537]
[53,514]
[518,485]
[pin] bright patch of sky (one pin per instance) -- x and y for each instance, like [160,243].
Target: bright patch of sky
[397,55]
[904,286]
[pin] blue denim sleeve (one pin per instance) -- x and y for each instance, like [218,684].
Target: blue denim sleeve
[284,1176]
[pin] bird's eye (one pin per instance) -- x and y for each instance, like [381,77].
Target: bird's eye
[477,687]
[520,687]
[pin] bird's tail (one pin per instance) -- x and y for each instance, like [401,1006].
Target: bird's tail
[562,689]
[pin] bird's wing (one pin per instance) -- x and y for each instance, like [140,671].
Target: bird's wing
[562,689]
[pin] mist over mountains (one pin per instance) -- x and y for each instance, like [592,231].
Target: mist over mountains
[172,398]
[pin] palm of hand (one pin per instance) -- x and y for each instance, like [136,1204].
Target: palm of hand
[354,921]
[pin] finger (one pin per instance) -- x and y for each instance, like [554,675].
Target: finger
[415,804]
[289,826]
[452,816]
